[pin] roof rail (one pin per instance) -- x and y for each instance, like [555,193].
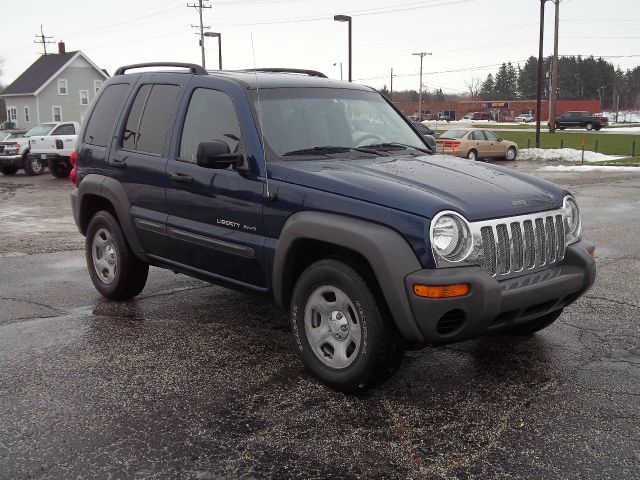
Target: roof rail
[302,71]
[193,68]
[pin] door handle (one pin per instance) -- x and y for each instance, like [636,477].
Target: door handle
[180,177]
[118,163]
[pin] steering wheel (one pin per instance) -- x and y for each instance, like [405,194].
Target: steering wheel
[367,136]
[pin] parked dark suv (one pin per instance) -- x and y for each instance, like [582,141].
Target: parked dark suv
[267,181]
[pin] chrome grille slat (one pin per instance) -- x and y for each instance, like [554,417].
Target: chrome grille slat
[488,241]
[527,242]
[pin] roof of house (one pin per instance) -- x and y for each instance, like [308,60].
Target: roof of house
[41,72]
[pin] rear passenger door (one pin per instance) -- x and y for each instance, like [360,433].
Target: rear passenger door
[215,215]
[494,146]
[479,143]
[139,158]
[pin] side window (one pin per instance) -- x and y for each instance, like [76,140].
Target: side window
[477,135]
[211,116]
[149,118]
[67,129]
[102,119]
[492,137]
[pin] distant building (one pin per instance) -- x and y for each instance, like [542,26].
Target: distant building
[56,87]
[503,110]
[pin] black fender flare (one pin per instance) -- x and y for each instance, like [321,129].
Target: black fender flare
[389,255]
[114,192]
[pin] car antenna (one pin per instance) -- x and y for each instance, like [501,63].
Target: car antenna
[264,150]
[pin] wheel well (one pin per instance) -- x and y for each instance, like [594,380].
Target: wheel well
[304,252]
[91,204]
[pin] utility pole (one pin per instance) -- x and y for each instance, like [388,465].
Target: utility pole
[540,74]
[391,92]
[421,55]
[199,7]
[43,40]
[554,72]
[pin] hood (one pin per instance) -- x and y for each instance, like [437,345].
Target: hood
[425,185]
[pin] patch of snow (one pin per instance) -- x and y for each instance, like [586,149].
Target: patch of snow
[588,168]
[623,116]
[562,155]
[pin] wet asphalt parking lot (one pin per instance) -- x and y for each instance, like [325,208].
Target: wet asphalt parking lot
[190,380]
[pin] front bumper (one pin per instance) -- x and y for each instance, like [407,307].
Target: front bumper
[493,305]
[11,161]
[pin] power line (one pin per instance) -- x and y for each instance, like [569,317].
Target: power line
[44,40]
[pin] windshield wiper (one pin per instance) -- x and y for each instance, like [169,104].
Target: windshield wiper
[398,146]
[330,149]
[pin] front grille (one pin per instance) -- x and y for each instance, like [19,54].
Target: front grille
[513,245]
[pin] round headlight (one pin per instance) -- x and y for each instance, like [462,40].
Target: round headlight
[572,218]
[450,237]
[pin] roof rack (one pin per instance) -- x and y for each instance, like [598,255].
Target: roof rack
[301,71]
[193,68]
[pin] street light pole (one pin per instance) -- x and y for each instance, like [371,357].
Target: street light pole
[346,18]
[540,74]
[340,69]
[421,55]
[219,36]
[554,72]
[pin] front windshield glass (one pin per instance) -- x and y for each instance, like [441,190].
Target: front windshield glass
[295,119]
[43,129]
[454,134]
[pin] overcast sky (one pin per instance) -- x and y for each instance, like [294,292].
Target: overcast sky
[468,38]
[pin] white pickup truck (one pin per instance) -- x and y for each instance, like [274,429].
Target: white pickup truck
[55,146]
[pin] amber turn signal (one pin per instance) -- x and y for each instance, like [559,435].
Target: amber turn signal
[592,252]
[441,291]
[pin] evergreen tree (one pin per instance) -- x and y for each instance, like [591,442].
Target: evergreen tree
[488,88]
[528,79]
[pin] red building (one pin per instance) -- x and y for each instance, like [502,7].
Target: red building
[503,110]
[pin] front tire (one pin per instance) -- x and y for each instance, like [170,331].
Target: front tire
[511,154]
[589,126]
[537,324]
[32,166]
[472,155]
[343,335]
[114,270]
[60,168]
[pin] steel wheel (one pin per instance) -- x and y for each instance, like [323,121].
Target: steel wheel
[105,255]
[332,327]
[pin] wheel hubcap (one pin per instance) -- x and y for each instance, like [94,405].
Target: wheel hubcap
[332,327]
[105,255]
[36,166]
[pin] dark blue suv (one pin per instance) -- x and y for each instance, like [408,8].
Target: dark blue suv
[324,195]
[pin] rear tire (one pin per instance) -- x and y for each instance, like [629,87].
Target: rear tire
[32,166]
[589,126]
[8,170]
[343,335]
[472,155]
[114,269]
[60,168]
[537,324]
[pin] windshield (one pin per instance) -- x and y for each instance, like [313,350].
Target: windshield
[43,129]
[295,120]
[454,134]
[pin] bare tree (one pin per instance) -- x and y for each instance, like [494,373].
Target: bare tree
[473,86]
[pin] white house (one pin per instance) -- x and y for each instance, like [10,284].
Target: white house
[56,87]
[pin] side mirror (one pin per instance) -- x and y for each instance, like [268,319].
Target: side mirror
[499,139]
[216,154]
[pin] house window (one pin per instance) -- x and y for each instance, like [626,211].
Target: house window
[57,113]
[12,114]
[96,85]
[26,114]
[62,87]
[84,97]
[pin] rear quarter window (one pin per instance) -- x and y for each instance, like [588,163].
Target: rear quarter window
[103,118]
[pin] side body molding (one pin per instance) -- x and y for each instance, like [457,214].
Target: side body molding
[110,189]
[389,255]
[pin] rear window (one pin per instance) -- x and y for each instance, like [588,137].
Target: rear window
[101,123]
[454,134]
[68,129]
